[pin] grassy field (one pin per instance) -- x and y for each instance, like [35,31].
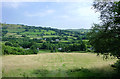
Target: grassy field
[44,51]
[57,65]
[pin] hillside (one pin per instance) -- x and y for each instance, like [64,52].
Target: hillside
[79,30]
[18,30]
[23,39]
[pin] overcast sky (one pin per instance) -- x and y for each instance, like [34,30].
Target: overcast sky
[62,15]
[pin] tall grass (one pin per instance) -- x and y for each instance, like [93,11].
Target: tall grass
[57,65]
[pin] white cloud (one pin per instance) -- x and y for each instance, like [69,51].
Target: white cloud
[86,11]
[12,4]
[39,14]
[46,0]
[21,0]
[65,16]
[50,11]
[80,9]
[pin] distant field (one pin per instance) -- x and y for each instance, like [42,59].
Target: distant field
[44,51]
[57,65]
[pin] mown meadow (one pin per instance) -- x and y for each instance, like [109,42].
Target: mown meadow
[58,65]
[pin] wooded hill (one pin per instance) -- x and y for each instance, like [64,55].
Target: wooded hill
[36,38]
[19,30]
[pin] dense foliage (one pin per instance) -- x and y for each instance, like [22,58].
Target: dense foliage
[22,39]
[105,37]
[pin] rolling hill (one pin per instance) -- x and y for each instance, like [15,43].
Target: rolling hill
[18,31]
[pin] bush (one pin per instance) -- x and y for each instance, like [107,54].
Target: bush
[16,45]
[117,66]
[23,36]
[17,51]
[88,50]
[8,44]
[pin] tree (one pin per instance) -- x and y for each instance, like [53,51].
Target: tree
[56,50]
[8,44]
[83,47]
[105,37]
[51,49]
[4,31]
[23,36]
[34,49]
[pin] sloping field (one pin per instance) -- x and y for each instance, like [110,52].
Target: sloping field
[56,65]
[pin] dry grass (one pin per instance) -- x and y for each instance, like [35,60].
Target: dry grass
[15,65]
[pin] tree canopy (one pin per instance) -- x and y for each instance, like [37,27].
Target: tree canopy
[105,37]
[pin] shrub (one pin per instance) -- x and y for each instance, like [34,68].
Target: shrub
[17,50]
[117,66]
[8,44]
[23,36]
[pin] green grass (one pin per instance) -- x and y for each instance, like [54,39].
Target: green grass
[78,52]
[31,33]
[37,32]
[57,65]
[47,36]
[64,41]
[43,51]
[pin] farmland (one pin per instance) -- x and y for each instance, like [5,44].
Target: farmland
[23,39]
[59,40]
[30,51]
[57,65]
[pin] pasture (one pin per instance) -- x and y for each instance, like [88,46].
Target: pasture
[57,65]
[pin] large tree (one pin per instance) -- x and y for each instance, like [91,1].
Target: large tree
[105,37]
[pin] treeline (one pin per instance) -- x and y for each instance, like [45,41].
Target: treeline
[17,51]
[23,39]
[62,47]
[22,46]
[19,46]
